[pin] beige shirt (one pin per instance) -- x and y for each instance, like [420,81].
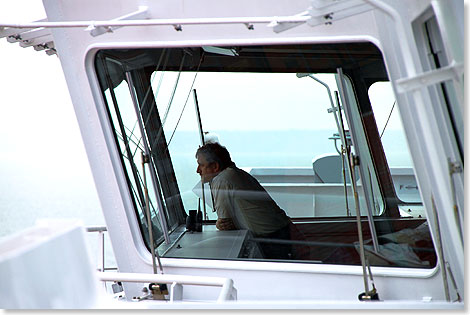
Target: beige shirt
[239,196]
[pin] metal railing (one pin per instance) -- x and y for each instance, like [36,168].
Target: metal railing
[227,292]
[101,261]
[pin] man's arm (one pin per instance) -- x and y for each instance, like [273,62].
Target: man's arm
[222,198]
[225,224]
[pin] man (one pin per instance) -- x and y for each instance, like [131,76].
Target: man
[241,202]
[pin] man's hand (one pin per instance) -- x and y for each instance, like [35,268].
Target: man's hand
[225,224]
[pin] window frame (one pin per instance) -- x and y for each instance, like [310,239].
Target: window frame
[134,204]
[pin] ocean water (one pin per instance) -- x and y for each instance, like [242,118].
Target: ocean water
[31,192]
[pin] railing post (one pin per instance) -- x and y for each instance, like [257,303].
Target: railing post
[101,256]
[176,292]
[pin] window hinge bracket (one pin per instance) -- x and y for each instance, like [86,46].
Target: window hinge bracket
[141,13]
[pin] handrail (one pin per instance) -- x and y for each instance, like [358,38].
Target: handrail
[228,291]
[162,22]
[100,230]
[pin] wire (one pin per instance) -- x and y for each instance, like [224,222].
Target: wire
[170,102]
[388,119]
[186,102]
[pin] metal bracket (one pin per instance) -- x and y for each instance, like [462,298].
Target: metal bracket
[324,12]
[332,110]
[152,292]
[38,38]
[145,158]
[141,13]
[454,71]
[355,160]
[249,26]
[26,36]
[279,26]
[328,11]
[455,167]
[12,31]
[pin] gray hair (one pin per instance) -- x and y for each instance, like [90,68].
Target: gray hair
[216,153]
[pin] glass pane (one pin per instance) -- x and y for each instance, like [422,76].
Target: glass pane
[276,126]
[395,146]
[129,139]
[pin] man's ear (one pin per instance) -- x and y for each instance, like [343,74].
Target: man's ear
[216,167]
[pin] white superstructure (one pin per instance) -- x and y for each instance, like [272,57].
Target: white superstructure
[123,62]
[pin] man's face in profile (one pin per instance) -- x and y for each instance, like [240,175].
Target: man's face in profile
[205,169]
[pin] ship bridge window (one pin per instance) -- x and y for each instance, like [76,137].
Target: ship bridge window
[395,147]
[297,123]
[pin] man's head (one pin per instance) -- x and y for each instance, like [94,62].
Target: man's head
[212,158]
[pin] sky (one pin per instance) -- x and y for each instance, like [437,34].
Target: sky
[268,101]
[33,97]
[44,171]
